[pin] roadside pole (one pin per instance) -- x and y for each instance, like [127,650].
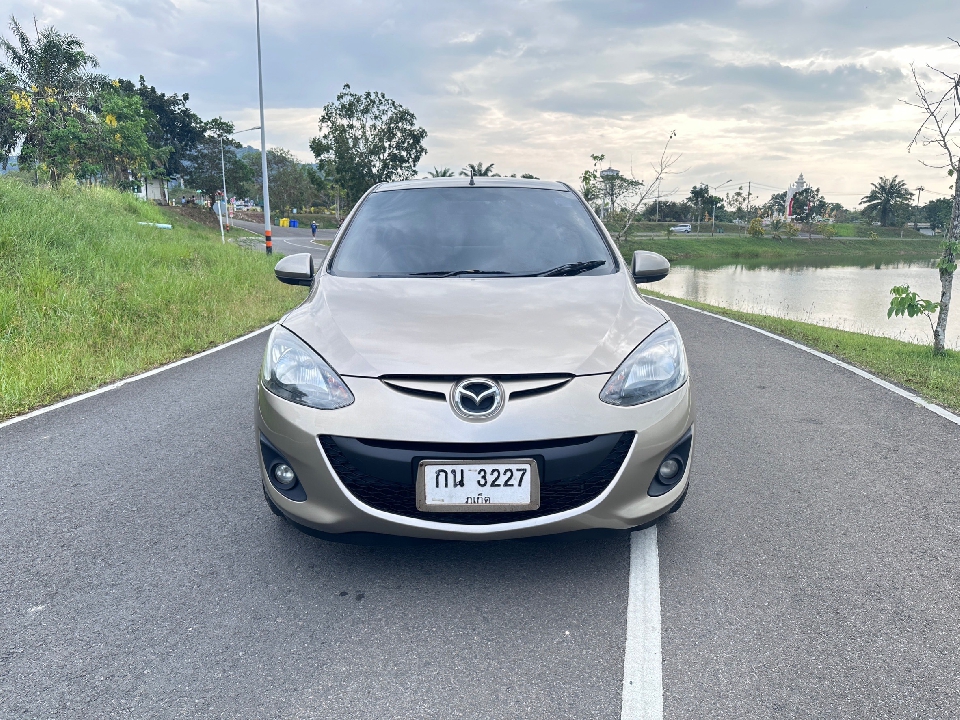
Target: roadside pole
[223,174]
[223,240]
[263,147]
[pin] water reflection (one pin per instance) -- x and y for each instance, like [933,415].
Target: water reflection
[850,294]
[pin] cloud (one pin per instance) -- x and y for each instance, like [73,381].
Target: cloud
[756,89]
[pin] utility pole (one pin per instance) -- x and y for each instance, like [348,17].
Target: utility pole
[713,219]
[263,147]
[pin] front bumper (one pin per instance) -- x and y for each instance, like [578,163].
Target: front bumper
[384,414]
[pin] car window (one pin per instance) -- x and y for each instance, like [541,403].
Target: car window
[475,230]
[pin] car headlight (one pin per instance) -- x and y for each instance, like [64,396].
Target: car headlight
[293,371]
[656,367]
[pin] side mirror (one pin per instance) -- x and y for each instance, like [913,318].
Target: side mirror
[649,266]
[295,269]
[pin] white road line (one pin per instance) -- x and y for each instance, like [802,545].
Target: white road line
[946,414]
[643,660]
[121,383]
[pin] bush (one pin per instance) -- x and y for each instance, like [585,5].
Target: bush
[755,228]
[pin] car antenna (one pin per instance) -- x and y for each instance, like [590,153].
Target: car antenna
[471,177]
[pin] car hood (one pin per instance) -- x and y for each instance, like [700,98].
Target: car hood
[372,327]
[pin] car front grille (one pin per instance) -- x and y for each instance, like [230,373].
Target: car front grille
[394,490]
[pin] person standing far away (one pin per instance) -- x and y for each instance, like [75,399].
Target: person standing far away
[313,229]
[183,199]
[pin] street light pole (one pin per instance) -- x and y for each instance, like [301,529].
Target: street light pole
[916,217]
[263,146]
[223,175]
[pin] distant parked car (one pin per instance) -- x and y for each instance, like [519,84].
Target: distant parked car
[682,228]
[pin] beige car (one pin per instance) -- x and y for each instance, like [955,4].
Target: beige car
[473,361]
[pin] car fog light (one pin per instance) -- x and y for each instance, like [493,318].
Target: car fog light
[284,474]
[669,469]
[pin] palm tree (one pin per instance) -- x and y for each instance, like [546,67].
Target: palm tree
[479,170]
[440,172]
[886,195]
[51,84]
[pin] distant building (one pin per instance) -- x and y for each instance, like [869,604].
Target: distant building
[154,189]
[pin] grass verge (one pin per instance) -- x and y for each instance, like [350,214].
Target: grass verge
[683,247]
[88,296]
[934,377]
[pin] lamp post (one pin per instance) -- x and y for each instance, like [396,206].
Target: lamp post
[223,175]
[263,146]
[916,217]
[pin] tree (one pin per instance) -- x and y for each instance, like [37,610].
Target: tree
[290,185]
[808,207]
[940,110]
[367,139]
[756,228]
[528,176]
[669,211]
[642,190]
[707,205]
[591,186]
[172,126]
[118,145]
[782,229]
[699,196]
[440,172]
[479,170]
[202,165]
[937,213]
[738,201]
[906,302]
[50,83]
[886,198]
[776,205]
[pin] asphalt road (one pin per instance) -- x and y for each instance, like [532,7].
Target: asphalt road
[288,241]
[812,572]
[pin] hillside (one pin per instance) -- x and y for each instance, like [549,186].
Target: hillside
[87,295]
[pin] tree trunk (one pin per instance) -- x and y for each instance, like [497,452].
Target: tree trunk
[948,259]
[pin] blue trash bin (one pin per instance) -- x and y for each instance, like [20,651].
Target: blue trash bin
[294,223]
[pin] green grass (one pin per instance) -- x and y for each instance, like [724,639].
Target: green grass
[88,296]
[736,247]
[933,377]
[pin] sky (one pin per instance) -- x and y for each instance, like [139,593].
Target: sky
[756,90]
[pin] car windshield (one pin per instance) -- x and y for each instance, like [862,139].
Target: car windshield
[479,231]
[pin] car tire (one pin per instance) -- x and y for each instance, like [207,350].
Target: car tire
[275,510]
[678,503]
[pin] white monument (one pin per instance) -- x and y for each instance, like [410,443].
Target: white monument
[799,185]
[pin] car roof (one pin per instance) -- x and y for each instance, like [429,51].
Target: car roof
[478,182]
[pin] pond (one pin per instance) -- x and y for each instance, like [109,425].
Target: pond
[846,294]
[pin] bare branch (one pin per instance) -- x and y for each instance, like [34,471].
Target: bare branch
[661,169]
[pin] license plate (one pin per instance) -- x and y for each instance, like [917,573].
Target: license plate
[478,485]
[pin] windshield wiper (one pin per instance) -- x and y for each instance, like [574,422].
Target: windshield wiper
[454,273]
[572,268]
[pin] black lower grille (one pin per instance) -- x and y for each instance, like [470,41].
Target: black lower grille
[393,488]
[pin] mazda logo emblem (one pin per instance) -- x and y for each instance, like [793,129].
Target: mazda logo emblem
[477,398]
